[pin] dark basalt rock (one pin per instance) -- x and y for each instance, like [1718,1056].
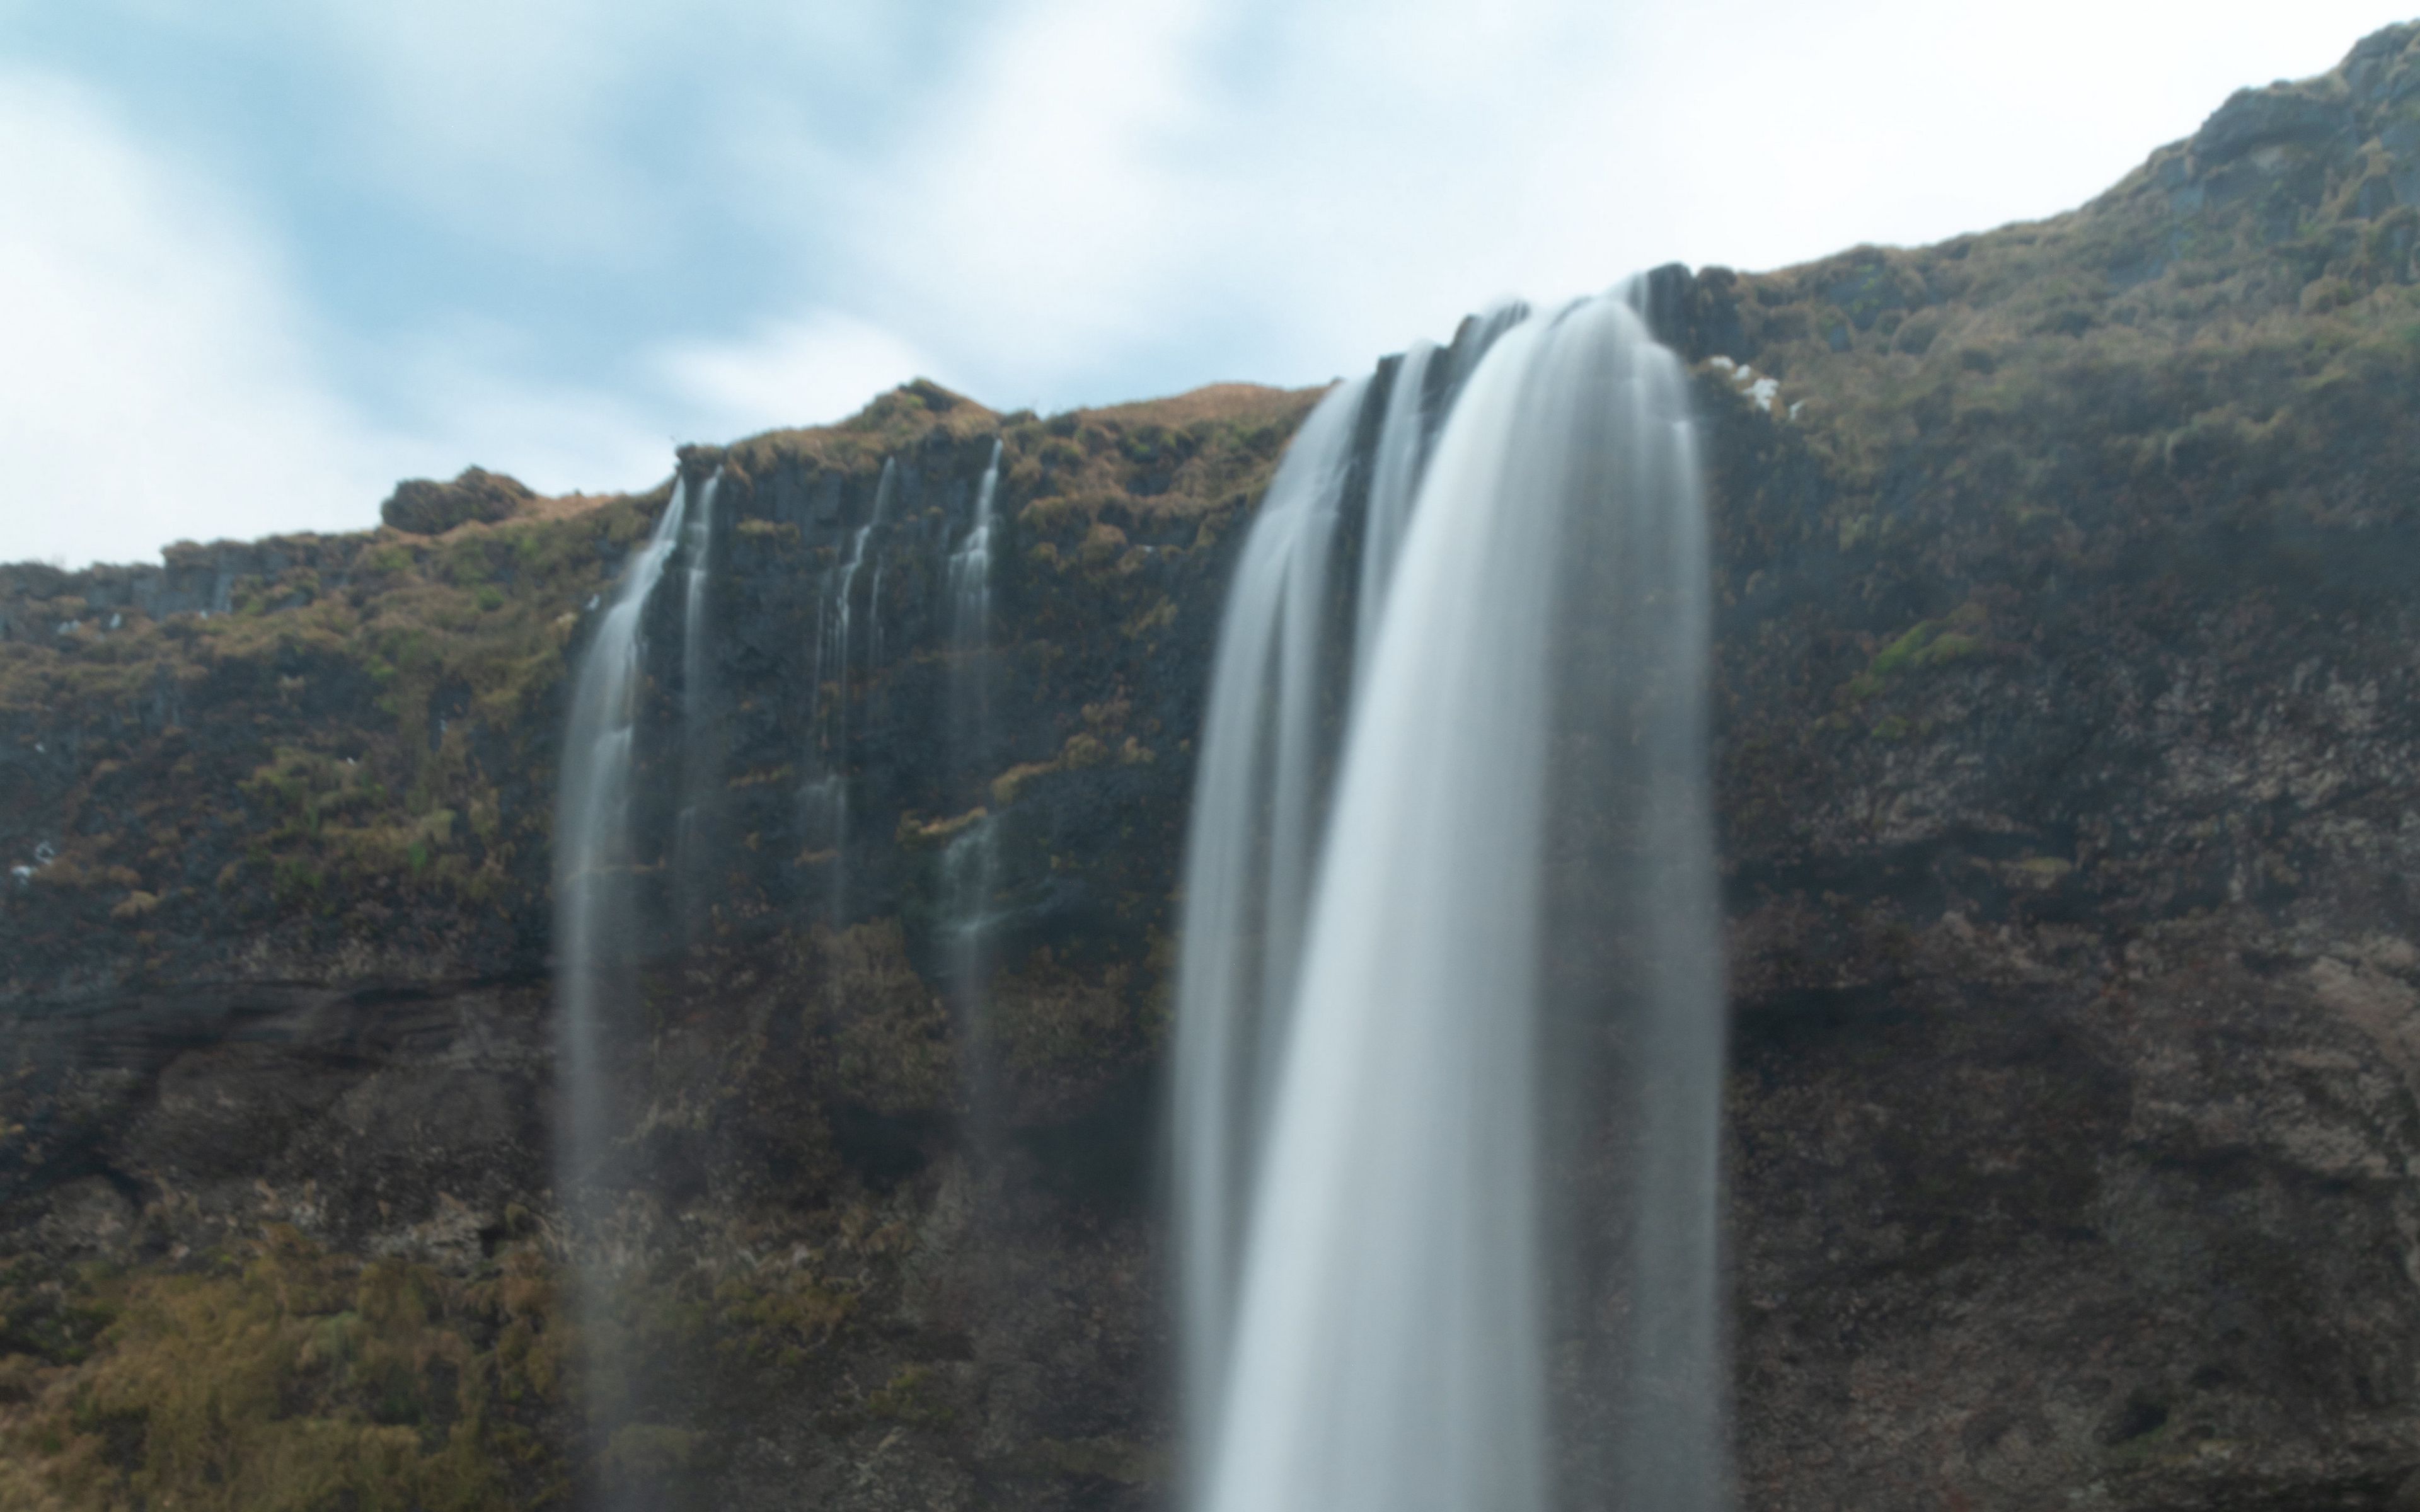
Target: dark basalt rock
[2269,118]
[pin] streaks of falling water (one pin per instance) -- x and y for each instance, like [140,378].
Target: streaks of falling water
[1247,865]
[971,566]
[697,544]
[1527,754]
[826,796]
[1403,447]
[971,864]
[700,753]
[596,925]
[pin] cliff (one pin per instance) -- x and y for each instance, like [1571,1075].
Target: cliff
[2065,755]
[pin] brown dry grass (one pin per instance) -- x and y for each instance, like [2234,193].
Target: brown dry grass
[1232,403]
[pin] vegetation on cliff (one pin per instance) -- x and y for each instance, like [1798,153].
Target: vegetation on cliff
[281,1379]
[2221,319]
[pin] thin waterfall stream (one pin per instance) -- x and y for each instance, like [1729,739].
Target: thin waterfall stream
[971,860]
[827,795]
[1248,869]
[597,928]
[701,768]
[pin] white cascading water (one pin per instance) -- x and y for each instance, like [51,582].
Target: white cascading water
[827,794]
[971,567]
[699,772]
[1394,473]
[970,862]
[697,543]
[597,915]
[1247,868]
[1516,879]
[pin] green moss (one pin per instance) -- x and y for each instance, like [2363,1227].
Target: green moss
[779,1318]
[891,1049]
[1082,749]
[1058,1022]
[1926,644]
[295,1380]
[1106,1459]
[1103,544]
[910,1397]
[1154,620]
[772,532]
[916,833]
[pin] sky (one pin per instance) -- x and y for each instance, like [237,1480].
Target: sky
[261,259]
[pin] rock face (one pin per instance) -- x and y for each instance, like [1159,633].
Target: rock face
[2068,746]
[424,507]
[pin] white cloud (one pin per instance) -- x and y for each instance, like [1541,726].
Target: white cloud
[1041,216]
[157,386]
[818,368]
[164,384]
[461,396]
[506,119]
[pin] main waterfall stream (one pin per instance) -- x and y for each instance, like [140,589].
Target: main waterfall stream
[1449,1059]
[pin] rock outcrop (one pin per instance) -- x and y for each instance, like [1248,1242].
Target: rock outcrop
[424,507]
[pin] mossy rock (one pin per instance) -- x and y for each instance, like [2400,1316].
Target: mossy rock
[426,507]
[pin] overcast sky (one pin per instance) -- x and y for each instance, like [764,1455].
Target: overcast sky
[262,258]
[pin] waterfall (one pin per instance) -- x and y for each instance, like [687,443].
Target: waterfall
[1403,446]
[827,795]
[971,567]
[701,754]
[597,921]
[1247,867]
[970,863]
[1480,333]
[697,543]
[1508,982]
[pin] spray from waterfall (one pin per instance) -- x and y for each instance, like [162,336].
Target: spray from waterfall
[596,924]
[1498,1045]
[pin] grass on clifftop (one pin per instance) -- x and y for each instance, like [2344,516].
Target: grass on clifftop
[351,716]
[1181,457]
[2239,301]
